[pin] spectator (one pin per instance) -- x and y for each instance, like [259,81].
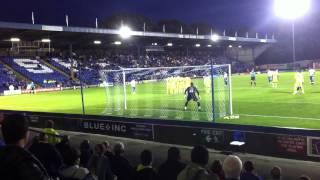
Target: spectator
[170,169]
[232,166]
[51,131]
[64,147]
[47,154]
[304,177]
[72,170]
[99,164]
[216,168]
[85,153]
[108,150]
[275,173]
[120,165]
[144,169]
[16,162]
[248,173]
[196,169]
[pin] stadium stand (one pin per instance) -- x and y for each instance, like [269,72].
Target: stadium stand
[36,71]
[7,78]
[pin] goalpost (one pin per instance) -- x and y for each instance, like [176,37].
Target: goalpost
[158,92]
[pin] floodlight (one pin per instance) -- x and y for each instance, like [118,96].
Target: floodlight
[209,45]
[197,45]
[125,32]
[170,44]
[45,40]
[239,46]
[230,46]
[291,9]
[215,37]
[96,42]
[118,43]
[14,39]
[154,44]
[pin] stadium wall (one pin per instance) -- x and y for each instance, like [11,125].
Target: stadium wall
[297,144]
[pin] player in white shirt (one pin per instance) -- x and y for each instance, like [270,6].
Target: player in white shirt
[133,84]
[312,73]
[299,81]
[270,74]
[225,77]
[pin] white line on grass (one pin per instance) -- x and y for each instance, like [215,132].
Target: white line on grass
[282,117]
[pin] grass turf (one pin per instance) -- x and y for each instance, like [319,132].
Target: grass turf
[261,105]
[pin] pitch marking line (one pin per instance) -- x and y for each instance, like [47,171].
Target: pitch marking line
[282,117]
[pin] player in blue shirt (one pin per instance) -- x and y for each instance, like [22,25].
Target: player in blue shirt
[192,93]
[253,78]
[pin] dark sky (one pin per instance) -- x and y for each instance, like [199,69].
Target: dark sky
[224,14]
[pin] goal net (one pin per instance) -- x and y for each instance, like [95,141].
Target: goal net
[161,92]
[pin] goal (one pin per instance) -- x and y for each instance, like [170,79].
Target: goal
[159,92]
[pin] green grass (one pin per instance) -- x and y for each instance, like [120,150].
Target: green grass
[261,105]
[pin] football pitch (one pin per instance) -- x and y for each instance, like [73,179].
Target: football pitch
[261,105]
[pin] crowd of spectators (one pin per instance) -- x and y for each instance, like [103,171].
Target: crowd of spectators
[44,160]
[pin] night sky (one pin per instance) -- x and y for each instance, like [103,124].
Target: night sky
[224,14]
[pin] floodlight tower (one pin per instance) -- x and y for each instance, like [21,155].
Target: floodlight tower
[292,10]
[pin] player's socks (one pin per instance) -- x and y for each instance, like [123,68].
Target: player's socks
[185,108]
[199,108]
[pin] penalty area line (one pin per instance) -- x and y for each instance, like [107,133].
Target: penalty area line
[281,117]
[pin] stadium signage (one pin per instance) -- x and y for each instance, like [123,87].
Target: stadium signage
[292,144]
[104,126]
[122,129]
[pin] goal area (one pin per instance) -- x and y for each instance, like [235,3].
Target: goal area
[160,92]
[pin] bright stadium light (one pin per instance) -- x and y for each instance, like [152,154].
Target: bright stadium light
[125,32]
[209,45]
[118,43]
[291,9]
[154,44]
[96,42]
[169,44]
[215,37]
[14,39]
[230,46]
[45,40]
[239,46]
[197,45]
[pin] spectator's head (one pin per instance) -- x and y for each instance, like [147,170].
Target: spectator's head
[200,155]
[304,177]
[99,149]
[15,130]
[232,166]
[43,137]
[216,167]
[275,172]
[118,148]
[65,139]
[85,145]
[50,124]
[248,166]
[72,157]
[146,157]
[107,145]
[173,154]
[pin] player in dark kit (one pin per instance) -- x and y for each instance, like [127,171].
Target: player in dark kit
[192,93]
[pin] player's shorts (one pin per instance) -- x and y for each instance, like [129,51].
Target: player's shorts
[253,78]
[33,88]
[269,79]
[311,78]
[194,98]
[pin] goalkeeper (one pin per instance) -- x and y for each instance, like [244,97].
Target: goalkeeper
[192,93]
